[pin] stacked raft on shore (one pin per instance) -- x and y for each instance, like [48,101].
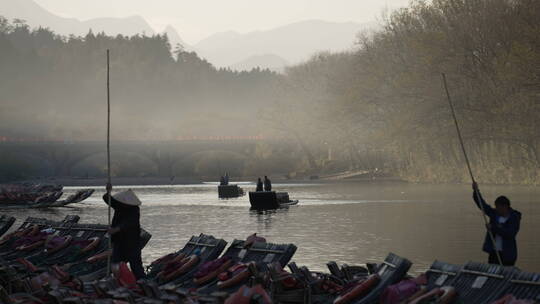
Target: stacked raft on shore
[65,262]
[29,195]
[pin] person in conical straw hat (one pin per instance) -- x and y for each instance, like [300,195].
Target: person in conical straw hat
[125,230]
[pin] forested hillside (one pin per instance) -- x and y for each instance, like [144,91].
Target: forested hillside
[386,98]
[380,106]
[53,87]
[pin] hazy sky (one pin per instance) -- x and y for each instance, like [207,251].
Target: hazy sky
[197,19]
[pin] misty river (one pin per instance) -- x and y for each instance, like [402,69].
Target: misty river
[346,222]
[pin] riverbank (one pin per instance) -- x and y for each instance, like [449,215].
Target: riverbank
[164,181]
[118,181]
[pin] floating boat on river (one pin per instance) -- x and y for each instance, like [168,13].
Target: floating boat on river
[230,191]
[268,200]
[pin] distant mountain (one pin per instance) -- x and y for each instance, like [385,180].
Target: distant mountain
[294,42]
[36,16]
[174,38]
[266,61]
[273,49]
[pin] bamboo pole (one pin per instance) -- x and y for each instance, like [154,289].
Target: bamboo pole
[109,184]
[476,192]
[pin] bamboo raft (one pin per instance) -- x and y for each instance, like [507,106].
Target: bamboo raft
[72,269]
[27,195]
[229,191]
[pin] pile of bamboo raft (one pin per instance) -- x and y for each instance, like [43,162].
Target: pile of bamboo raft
[31,195]
[45,261]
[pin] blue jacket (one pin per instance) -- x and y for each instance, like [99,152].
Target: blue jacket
[507,231]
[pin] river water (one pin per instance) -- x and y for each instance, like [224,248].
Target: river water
[347,222]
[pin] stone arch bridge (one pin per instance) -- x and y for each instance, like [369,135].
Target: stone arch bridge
[62,157]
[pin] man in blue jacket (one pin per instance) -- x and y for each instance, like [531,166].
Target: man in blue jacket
[504,224]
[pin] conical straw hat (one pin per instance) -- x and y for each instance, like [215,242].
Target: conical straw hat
[127,197]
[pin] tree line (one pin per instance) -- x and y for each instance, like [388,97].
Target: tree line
[386,97]
[54,87]
[380,106]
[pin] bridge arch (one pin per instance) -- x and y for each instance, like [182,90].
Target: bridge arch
[25,164]
[161,158]
[213,163]
[123,163]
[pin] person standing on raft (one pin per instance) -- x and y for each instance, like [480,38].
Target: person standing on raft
[504,224]
[267,184]
[259,185]
[125,231]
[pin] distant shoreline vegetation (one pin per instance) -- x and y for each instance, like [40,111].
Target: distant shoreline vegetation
[380,107]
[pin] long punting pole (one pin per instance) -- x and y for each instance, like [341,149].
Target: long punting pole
[109,184]
[469,166]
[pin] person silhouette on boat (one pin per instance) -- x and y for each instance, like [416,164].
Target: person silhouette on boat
[259,185]
[226,179]
[267,184]
[125,230]
[504,224]
[222,181]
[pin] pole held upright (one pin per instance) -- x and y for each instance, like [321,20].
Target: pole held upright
[109,184]
[478,198]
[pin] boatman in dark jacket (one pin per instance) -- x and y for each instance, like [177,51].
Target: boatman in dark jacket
[504,224]
[125,231]
[267,184]
[259,185]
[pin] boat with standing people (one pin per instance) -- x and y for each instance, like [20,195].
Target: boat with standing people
[263,198]
[226,190]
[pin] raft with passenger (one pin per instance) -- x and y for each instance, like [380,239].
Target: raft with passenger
[268,200]
[230,191]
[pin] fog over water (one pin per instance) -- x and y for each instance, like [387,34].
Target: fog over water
[375,103]
[320,95]
[345,222]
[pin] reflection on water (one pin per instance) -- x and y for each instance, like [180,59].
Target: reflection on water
[344,222]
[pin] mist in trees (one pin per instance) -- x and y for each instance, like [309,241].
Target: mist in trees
[53,87]
[387,97]
[380,107]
